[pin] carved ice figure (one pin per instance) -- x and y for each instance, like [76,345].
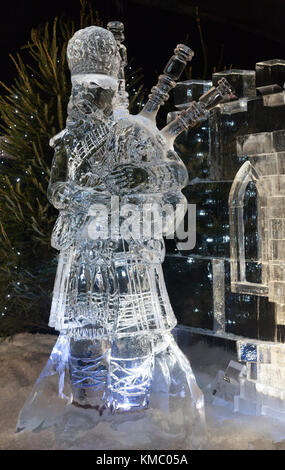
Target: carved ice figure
[110,302]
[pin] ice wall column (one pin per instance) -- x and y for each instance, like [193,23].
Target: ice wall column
[265,169]
[262,388]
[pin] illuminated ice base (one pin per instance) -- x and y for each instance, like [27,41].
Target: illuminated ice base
[172,418]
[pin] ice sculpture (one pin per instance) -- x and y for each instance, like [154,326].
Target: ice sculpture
[235,275]
[210,154]
[264,167]
[116,361]
[262,388]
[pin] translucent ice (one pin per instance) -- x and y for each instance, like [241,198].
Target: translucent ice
[116,363]
[174,417]
[270,72]
[243,81]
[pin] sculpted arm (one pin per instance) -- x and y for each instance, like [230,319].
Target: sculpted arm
[58,189]
[147,168]
[63,193]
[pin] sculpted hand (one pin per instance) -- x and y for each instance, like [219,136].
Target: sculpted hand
[126,177]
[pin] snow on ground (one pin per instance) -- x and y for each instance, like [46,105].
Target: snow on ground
[22,360]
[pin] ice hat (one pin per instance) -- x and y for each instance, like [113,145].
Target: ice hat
[93,56]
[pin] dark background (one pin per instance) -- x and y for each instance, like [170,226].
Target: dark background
[251,30]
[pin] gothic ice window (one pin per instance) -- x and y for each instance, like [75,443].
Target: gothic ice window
[248,247]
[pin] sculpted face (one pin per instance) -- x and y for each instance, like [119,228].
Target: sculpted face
[88,100]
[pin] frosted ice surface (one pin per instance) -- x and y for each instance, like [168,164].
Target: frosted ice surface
[263,142]
[276,99]
[265,170]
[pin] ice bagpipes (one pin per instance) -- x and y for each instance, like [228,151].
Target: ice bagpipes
[115,363]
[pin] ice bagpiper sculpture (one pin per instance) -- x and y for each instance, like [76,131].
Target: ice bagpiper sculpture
[116,360]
